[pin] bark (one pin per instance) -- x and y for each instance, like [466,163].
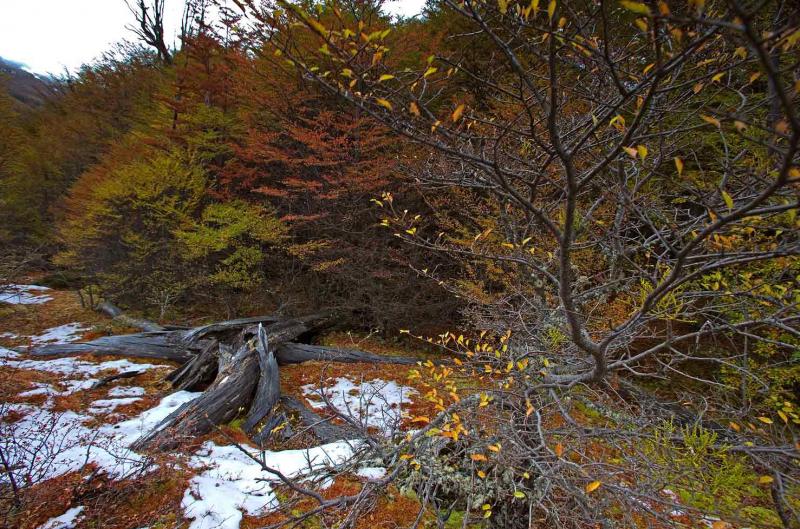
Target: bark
[232,390]
[296,353]
[161,345]
[199,371]
[269,389]
[117,315]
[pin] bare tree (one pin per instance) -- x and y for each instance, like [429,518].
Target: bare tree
[150,26]
[635,157]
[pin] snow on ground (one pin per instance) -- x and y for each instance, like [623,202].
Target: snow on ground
[65,521]
[24,294]
[69,332]
[233,484]
[371,472]
[126,391]
[109,405]
[44,444]
[376,403]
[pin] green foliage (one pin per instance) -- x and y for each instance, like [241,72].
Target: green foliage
[233,236]
[705,474]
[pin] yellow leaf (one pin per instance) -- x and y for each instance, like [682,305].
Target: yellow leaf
[385,77]
[728,202]
[663,8]
[765,420]
[503,5]
[487,514]
[764,480]
[457,113]
[482,474]
[648,68]
[711,121]
[642,150]
[641,24]
[347,72]
[717,78]
[635,7]
[593,486]
[478,457]
[494,448]
[551,9]
[734,426]
[755,76]
[631,151]
[421,419]
[783,417]
[430,71]
[384,103]
[519,494]
[679,165]
[486,507]
[529,409]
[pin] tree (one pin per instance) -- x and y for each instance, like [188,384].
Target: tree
[642,204]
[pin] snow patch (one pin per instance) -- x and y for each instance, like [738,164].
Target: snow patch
[65,521]
[44,444]
[23,295]
[109,405]
[122,391]
[67,333]
[376,403]
[371,472]
[71,366]
[233,484]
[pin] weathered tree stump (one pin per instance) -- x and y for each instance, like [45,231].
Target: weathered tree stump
[235,364]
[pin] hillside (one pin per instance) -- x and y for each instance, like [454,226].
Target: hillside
[518,265]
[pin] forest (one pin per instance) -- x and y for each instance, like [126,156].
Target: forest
[504,264]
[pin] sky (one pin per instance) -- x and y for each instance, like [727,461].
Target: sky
[49,36]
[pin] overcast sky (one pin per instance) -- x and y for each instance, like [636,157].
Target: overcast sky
[50,35]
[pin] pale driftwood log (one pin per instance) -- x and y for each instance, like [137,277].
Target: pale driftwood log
[119,316]
[232,390]
[296,353]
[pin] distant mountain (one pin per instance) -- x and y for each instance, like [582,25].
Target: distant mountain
[27,88]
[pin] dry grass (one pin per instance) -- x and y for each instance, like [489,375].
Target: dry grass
[391,510]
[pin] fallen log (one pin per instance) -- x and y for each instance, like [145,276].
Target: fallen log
[117,315]
[199,371]
[322,428]
[269,388]
[296,353]
[232,390]
[161,345]
[236,365]
[119,376]
[221,326]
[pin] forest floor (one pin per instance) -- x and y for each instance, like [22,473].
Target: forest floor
[66,440]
